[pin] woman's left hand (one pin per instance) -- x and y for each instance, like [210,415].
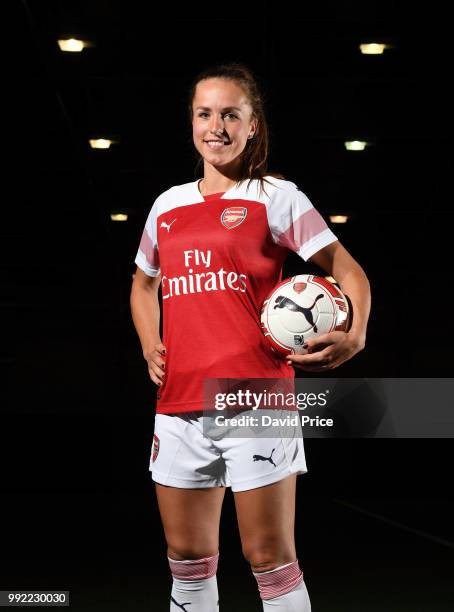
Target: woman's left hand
[327,351]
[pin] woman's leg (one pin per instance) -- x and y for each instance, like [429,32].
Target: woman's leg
[266,520]
[190,518]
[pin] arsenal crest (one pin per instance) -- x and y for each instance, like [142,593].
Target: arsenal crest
[233,217]
[299,287]
[155,448]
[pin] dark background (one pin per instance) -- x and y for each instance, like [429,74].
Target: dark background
[78,508]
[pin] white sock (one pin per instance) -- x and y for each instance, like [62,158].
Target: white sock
[283,589]
[202,595]
[195,586]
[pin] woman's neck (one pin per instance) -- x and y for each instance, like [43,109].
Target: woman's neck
[207,187]
[215,181]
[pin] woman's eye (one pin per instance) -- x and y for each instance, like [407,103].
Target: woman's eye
[227,114]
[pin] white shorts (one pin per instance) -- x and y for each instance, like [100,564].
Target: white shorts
[183,456]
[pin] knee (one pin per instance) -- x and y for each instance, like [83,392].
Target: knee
[265,558]
[191,552]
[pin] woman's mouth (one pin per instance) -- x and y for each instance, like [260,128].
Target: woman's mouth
[215,144]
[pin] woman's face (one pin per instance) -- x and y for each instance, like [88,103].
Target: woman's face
[221,112]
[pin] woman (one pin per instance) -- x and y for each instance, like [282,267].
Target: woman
[217,246]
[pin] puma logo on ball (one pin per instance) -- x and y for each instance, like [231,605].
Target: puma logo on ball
[285,302]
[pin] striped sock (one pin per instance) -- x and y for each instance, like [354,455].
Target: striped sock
[194,585]
[283,589]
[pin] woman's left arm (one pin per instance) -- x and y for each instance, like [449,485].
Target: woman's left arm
[328,351]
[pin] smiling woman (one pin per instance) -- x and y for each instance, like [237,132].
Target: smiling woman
[218,246]
[220,136]
[229,128]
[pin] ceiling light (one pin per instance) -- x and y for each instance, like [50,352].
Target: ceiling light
[72,45]
[338,218]
[355,145]
[100,143]
[119,217]
[373,48]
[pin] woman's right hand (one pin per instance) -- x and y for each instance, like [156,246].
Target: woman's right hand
[155,358]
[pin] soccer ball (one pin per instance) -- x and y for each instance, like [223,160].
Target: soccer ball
[300,308]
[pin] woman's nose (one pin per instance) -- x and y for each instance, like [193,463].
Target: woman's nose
[217,125]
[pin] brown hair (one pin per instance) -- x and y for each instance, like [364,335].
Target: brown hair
[255,154]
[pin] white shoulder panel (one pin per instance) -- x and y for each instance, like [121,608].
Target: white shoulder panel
[294,222]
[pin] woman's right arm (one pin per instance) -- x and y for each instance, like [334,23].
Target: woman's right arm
[146,315]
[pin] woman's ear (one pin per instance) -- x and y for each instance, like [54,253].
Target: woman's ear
[253,130]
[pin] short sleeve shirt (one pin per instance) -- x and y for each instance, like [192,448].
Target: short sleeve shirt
[219,257]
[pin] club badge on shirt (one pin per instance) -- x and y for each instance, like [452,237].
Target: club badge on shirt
[233,217]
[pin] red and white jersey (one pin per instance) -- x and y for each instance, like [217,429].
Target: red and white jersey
[219,256]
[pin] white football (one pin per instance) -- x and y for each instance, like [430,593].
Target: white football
[300,308]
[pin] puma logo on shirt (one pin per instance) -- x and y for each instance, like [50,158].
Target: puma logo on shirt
[167,225]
